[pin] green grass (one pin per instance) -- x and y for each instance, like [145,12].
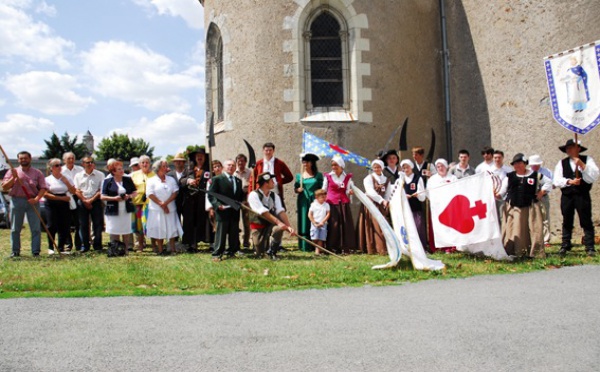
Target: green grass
[95,275]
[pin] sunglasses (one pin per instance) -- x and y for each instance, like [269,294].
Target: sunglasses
[56,165]
[88,162]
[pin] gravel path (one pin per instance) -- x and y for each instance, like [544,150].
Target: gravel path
[543,321]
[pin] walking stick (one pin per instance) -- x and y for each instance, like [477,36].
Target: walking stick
[236,205]
[28,195]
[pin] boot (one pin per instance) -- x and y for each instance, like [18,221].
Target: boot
[272,252]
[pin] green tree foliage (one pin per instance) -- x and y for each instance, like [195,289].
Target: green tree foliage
[56,147]
[122,147]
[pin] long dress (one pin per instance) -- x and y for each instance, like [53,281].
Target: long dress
[305,198]
[340,227]
[161,225]
[370,237]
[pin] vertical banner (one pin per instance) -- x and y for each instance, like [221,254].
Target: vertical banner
[574,86]
[3,162]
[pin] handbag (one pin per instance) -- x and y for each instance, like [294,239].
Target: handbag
[72,204]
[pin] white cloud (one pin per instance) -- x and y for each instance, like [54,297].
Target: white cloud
[190,10]
[132,74]
[44,8]
[17,132]
[48,92]
[170,132]
[23,37]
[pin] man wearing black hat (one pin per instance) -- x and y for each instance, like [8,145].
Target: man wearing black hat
[523,230]
[392,170]
[196,225]
[574,175]
[269,219]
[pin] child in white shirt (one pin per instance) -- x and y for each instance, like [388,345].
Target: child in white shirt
[318,214]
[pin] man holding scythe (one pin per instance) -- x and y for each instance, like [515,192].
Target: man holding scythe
[25,201]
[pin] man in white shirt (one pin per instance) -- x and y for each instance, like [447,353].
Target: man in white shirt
[70,169]
[488,160]
[269,219]
[89,186]
[535,163]
[574,175]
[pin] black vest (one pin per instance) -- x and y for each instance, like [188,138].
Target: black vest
[522,190]
[420,172]
[255,217]
[411,188]
[583,187]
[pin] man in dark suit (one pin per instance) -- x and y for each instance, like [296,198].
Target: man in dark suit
[228,219]
[177,173]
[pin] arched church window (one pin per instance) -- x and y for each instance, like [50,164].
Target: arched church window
[326,61]
[214,73]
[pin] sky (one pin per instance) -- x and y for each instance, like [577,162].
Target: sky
[124,66]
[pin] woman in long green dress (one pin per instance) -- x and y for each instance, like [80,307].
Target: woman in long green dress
[307,182]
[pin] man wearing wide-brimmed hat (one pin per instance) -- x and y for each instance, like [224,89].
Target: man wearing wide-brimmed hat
[575,175]
[196,225]
[522,231]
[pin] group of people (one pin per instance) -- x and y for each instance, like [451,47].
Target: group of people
[205,202]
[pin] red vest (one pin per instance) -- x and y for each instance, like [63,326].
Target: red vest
[336,193]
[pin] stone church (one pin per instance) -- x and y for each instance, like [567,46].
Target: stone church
[351,71]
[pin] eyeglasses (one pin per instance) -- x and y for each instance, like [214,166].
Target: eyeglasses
[56,165]
[88,162]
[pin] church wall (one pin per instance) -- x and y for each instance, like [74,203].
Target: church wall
[396,55]
[499,89]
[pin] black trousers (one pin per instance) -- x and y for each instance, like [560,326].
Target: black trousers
[227,226]
[582,203]
[57,220]
[96,214]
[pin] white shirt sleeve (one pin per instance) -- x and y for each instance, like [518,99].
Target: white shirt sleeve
[370,190]
[420,190]
[256,204]
[590,173]
[545,184]
[559,180]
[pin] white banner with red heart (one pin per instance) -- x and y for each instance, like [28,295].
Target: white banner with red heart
[464,212]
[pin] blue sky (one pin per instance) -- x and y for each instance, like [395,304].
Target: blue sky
[125,66]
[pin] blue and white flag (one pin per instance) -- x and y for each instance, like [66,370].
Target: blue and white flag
[574,86]
[318,146]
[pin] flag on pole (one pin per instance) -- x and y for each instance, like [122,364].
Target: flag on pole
[406,230]
[318,146]
[464,212]
[573,83]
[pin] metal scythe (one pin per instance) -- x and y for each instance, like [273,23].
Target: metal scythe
[237,205]
[402,144]
[389,141]
[251,156]
[28,195]
[429,157]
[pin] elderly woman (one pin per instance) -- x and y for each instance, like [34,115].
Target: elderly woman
[440,178]
[163,222]
[370,236]
[307,182]
[338,184]
[57,205]
[140,201]
[414,188]
[117,193]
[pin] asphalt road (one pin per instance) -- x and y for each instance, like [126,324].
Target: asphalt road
[544,321]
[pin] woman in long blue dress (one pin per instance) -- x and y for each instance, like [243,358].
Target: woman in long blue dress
[305,185]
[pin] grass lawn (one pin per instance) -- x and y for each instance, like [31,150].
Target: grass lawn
[145,274]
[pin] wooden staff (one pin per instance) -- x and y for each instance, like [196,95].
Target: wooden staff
[28,195]
[576,167]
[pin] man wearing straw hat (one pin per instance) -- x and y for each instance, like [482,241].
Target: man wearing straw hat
[574,175]
[24,202]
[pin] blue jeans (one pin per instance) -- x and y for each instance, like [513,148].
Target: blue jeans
[20,207]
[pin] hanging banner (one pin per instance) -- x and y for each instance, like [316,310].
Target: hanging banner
[574,86]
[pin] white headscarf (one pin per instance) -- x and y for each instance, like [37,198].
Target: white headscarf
[443,161]
[338,159]
[377,161]
[407,161]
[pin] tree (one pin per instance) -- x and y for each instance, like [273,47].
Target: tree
[55,147]
[119,146]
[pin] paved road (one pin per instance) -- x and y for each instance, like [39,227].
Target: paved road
[545,321]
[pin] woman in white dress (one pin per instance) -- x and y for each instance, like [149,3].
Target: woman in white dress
[162,222]
[117,192]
